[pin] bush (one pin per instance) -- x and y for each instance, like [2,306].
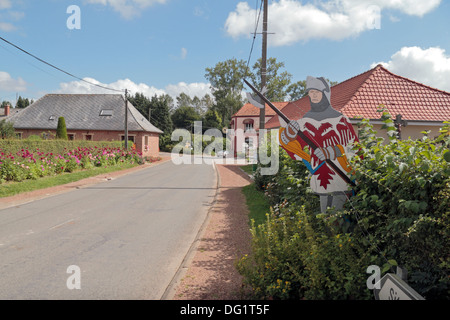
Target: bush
[399,215]
[296,255]
[402,200]
[61,130]
[53,146]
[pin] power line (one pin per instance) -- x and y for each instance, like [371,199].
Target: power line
[59,69]
[254,37]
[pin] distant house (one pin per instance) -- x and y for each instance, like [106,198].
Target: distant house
[96,117]
[422,107]
[246,121]
[5,112]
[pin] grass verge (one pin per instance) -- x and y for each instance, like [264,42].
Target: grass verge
[257,204]
[13,188]
[248,168]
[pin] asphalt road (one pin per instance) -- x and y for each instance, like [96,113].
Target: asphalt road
[127,237]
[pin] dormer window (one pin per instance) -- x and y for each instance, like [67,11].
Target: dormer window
[106,112]
[51,118]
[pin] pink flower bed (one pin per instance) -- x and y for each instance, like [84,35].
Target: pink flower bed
[26,164]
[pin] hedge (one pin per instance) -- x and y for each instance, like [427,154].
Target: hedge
[54,146]
[398,216]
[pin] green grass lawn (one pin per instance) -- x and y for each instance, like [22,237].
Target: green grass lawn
[257,204]
[13,188]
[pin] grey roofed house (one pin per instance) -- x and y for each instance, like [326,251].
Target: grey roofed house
[82,112]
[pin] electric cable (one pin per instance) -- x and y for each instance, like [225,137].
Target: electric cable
[254,38]
[59,69]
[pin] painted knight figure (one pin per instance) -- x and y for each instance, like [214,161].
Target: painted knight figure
[333,135]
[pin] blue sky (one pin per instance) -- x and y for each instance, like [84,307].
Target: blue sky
[164,46]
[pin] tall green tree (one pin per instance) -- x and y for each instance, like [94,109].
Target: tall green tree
[161,107]
[277,79]
[227,87]
[211,120]
[22,103]
[61,130]
[156,109]
[183,117]
[141,103]
[296,90]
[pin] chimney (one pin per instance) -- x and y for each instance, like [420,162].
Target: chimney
[7,110]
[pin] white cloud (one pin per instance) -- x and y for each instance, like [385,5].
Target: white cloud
[292,21]
[7,83]
[6,27]
[7,15]
[183,53]
[81,87]
[428,66]
[198,89]
[127,8]
[5,4]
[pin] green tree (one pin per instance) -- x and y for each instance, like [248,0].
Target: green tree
[22,103]
[157,110]
[277,80]
[227,87]
[6,129]
[141,103]
[160,107]
[184,117]
[184,100]
[296,90]
[61,130]
[5,103]
[212,119]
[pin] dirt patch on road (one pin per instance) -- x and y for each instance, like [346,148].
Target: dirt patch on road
[212,274]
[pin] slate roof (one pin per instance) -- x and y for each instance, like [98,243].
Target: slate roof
[81,112]
[362,95]
[12,111]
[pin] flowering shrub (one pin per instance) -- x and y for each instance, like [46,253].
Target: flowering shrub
[26,164]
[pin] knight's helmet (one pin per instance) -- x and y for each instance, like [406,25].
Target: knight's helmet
[320,84]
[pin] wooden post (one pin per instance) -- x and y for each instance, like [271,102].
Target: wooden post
[262,112]
[126,119]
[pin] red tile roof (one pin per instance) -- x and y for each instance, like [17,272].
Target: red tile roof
[249,110]
[362,95]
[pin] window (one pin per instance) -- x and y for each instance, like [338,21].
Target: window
[248,124]
[71,136]
[130,138]
[51,118]
[106,112]
[88,137]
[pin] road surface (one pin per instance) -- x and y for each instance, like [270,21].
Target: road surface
[125,238]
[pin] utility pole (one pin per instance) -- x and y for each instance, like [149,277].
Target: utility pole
[399,124]
[262,112]
[126,119]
